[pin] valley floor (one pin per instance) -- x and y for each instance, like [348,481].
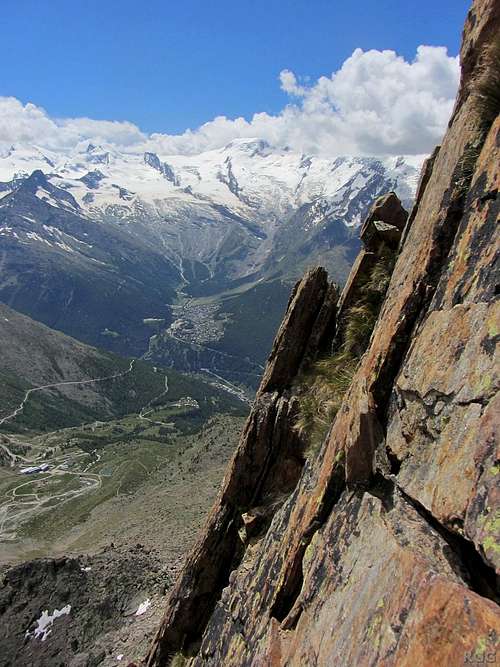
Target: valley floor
[107,510]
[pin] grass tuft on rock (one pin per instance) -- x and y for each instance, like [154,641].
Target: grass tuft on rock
[323,386]
[486,95]
[488,86]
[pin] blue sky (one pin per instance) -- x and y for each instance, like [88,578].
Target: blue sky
[167,65]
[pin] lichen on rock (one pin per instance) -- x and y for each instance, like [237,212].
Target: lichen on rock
[383,548]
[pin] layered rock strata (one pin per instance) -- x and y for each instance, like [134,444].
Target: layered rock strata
[384,548]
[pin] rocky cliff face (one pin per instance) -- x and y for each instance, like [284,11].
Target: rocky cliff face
[381,548]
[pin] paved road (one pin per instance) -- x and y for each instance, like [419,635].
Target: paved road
[229,386]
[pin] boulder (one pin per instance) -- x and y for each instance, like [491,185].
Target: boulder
[386,210]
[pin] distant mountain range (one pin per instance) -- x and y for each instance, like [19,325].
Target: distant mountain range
[114,248]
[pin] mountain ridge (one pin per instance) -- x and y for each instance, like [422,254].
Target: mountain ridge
[199,208]
[376,542]
[245,174]
[163,232]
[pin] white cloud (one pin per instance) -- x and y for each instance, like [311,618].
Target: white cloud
[120,133]
[289,84]
[24,123]
[375,104]
[31,124]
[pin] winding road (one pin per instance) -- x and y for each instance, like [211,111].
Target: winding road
[18,505]
[20,408]
[144,410]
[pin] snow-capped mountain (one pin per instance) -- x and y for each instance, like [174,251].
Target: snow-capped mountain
[98,243]
[93,281]
[199,208]
[247,176]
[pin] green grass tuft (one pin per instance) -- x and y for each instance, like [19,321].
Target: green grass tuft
[323,386]
[486,95]
[178,660]
[488,86]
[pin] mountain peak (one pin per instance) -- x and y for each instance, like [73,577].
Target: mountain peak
[97,154]
[251,145]
[152,160]
[267,184]
[37,179]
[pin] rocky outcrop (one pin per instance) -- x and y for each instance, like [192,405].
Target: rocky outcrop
[99,596]
[385,222]
[383,548]
[264,471]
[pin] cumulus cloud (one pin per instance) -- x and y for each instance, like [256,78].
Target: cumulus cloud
[375,104]
[289,84]
[24,123]
[28,123]
[119,133]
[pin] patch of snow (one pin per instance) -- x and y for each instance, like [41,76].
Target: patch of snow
[45,622]
[84,569]
[64,246]
[119,657]
[8,231]
[57,232]
[36,237]
[143,607]
[45,196]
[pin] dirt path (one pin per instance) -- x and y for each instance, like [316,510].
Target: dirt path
[144,410]
[20,408]
[16,505]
